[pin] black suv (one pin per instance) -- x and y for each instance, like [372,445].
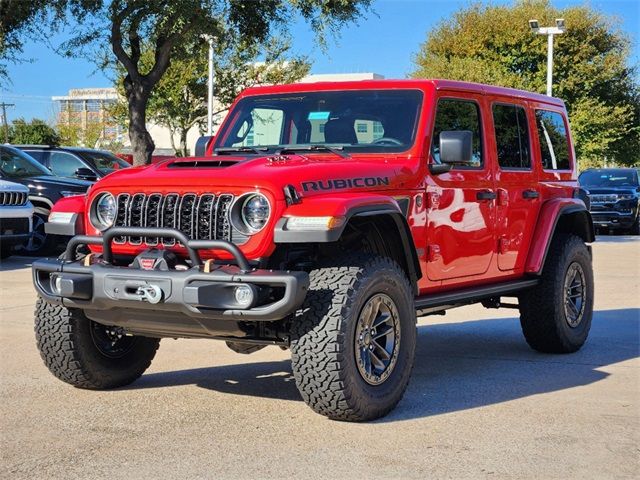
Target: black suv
[615,198]
[72,162]
[45,189]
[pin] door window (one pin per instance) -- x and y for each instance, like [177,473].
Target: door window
[512,136]
[554,144]
[64,164]
[38,155]
[458,115]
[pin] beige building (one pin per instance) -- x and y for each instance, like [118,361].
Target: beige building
[84,105]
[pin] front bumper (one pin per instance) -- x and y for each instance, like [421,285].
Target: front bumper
[613,219]
[192,302]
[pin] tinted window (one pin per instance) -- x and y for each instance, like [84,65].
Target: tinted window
[64,164]
[512,136]
[358,120]
[609,178]
[554,145]
[104,162]
[457,115]
[17,164]
[39,155]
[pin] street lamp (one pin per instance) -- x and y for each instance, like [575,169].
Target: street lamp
[210,39]
[559,29]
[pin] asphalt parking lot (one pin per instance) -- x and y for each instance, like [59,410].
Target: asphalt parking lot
[480,403]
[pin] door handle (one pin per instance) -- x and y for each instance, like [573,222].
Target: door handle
[530,194]
[486,195]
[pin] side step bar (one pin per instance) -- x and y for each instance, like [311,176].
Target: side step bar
[472,295]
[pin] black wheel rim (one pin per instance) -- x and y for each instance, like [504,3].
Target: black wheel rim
[111,341]
[574,294]
[38,237]
[377,339]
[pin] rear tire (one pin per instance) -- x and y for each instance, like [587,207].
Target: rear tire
[362,304]
[84,354]
[556,314]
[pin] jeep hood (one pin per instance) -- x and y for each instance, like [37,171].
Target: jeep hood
[310,175]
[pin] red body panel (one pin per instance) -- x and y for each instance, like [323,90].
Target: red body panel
[459,240]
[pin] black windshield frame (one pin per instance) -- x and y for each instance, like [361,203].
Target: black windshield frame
[395,112]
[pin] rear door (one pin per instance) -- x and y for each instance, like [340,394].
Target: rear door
[460,203]
[518,195]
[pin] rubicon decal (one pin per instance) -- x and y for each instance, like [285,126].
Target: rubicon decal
[342,183]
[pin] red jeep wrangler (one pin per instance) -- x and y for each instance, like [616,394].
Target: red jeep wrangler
[325,218]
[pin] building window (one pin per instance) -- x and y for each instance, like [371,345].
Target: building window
[321,128]
[361,128]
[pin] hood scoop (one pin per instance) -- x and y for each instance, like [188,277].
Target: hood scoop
[203,163]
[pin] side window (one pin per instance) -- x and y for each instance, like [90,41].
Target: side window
[457,115]
[554,145]
[263,128]
[512,136]
[38,155]
[64,164]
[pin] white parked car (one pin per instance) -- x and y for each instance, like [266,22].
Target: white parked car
[16,216]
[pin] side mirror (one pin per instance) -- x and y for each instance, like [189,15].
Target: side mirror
[201,145]
[456,147]
[84,173]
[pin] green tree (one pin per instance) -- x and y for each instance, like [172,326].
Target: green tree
[35,132]
[179,100]
[494,45]
[172,27]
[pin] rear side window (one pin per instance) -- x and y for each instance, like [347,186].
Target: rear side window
[64,164]
[554,144]
[454,115]
[38,155]
[512,136]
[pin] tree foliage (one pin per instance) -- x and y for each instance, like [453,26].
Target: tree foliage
[494,45]
[35,132]
[179,100]
[173,27]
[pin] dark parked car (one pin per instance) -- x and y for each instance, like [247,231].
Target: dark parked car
[615,198]
[45,189]
[72,162]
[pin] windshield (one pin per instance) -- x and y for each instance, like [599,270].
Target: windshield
[610,178]
[17,164]
[356,121]
[104,162]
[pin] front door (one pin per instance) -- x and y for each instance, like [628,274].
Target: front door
[461,202]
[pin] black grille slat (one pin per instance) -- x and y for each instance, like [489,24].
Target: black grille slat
[202,217]
[152,216]
[186,214]
[13,199]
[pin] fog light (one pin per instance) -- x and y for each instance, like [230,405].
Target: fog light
[244,295]
[56,284]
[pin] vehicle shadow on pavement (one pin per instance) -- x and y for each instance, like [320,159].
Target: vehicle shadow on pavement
[458,366]
[16,263]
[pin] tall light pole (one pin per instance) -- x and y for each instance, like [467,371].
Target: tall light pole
[210,39]
[559,29]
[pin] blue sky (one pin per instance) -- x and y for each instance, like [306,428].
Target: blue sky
[382,43]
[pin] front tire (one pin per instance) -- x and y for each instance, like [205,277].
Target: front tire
[353,342]
[556,315]
[86,354]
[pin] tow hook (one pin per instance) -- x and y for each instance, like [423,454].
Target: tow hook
[150,293]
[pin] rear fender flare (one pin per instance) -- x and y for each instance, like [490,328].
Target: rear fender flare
[554,215]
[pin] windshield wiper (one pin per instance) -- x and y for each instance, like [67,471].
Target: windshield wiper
[225,150]
[314,148]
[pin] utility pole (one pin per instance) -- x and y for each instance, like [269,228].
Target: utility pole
[559,29]
[210,39]
[4,120]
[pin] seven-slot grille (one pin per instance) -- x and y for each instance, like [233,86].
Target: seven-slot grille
[604,198]
[201,217]
[13,198]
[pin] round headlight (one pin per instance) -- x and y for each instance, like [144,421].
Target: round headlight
[251,213]
[104,211]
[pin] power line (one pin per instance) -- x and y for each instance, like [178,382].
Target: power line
[4,106]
